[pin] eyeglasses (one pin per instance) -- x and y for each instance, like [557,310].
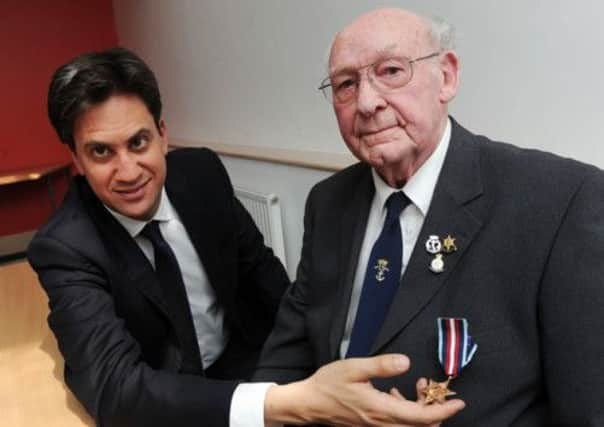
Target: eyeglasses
[385,75]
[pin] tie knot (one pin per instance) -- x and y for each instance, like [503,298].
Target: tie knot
[151,231]
[396,203]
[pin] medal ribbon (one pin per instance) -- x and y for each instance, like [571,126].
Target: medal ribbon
[455,346]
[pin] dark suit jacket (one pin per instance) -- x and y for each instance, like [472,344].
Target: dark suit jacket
[528,275]
[121,356]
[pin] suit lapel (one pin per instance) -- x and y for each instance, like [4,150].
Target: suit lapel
[353,221]
[452,212]
[126,254]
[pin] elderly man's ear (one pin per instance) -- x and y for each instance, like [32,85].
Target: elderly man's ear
[449,66]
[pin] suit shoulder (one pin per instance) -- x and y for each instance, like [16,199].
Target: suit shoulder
[502,158]
[198,162]
[192,156]
[343,180]
[71,213]
[70,227]
[534,167]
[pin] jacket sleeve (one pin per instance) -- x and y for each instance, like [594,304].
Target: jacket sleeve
[570,311]
[287,354]
[103,365]
[262,278]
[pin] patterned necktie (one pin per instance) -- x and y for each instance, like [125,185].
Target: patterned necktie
[170,277]
[381,279]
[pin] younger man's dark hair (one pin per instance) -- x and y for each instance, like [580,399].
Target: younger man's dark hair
[92,78]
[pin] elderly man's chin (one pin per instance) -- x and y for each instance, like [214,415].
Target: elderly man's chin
[391,153]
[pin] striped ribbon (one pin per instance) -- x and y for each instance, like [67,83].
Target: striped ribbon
[455,345]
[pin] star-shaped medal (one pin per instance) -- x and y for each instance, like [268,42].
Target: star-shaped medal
[437,392]
[449,244]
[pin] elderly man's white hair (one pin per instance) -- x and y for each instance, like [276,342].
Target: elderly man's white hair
[441,32]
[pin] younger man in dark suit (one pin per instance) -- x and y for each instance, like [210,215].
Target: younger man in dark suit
[436,222]
[161,289]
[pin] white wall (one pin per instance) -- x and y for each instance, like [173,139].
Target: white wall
[245,72]
[290,184]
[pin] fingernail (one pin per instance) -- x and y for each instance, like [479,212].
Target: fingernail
[399,362]
[462,404]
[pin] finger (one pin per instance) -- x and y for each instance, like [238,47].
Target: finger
[363,369]
[409,425]
[420,386]
[409,412]
[395,393]
[434,414]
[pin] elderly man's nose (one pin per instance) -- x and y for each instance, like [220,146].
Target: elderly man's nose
[369,99]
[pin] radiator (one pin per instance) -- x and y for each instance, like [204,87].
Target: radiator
[266,212]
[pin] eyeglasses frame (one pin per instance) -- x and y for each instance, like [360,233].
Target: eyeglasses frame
[325,85]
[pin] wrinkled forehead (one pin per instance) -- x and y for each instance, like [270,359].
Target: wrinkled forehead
[366,40]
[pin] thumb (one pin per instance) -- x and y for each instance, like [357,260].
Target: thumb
[385,365]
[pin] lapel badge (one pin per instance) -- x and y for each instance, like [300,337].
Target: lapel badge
[437,265]
[449,244]
[433,245]
[382,269]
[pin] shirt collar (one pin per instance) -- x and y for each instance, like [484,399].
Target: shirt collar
[165,212]
[420,187]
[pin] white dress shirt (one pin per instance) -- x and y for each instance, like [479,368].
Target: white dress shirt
[208,315]
[419,189]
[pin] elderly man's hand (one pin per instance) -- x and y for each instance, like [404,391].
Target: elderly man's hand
[340,394]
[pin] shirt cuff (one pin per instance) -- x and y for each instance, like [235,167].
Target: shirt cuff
[247,405]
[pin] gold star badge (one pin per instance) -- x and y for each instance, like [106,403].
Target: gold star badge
[437,392]
[449,244]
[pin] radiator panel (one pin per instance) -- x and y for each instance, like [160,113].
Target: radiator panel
[266,212]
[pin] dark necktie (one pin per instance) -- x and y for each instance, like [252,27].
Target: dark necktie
[381,279]
[170,277]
